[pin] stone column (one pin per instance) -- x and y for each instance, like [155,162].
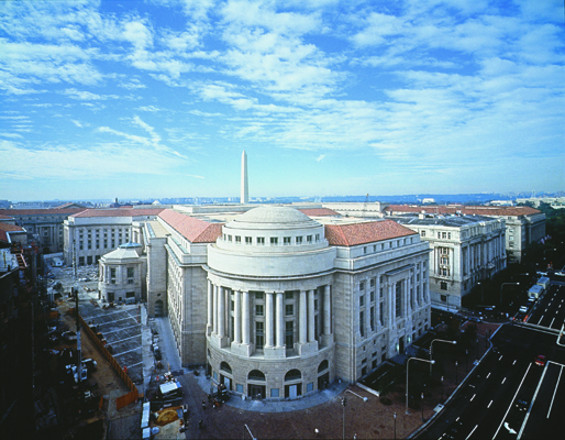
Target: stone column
[245,318]
[215,309]
[311,316]
[269,340]
[280,319]
[221,312]
[302,319]
[237,317]
[210,308]
[327,311]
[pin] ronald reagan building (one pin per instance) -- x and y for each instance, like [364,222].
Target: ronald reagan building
[279,302]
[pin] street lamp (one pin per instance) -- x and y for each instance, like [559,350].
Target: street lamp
[456,379]
[422,405]
[343,403]
[506,284]
[432,345]
[394,426]
[407,371]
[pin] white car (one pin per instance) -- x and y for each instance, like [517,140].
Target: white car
[524,309]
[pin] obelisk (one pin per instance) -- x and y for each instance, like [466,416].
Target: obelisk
[244,196]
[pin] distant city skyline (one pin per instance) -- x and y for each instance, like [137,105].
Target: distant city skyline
[104,99]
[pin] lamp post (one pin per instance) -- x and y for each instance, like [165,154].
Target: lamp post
[456,379]
[422,405]
[344,403]
[394,426]
[408,370]
[432,345]
[506,284]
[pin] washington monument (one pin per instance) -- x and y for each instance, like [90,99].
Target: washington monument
[244,195]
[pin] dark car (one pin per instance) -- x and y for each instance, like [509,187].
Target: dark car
[522,405]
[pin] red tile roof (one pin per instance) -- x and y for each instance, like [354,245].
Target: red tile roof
[516,211]
[318,212]
[352,234]
[117,212]
[70,205]
[46,211]
[193,229]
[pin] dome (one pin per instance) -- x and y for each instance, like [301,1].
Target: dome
[272,217]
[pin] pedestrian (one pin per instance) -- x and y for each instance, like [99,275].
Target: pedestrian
[203,404]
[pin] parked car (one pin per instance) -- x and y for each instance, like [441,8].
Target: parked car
[523,309]
[540,360]
[522,405]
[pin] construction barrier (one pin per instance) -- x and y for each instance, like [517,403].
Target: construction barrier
[134,394]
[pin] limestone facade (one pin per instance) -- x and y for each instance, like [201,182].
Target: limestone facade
[464,251]
[122,274]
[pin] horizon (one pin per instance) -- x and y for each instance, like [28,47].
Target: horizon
[102,98]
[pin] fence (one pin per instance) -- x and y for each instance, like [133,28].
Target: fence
[133,394]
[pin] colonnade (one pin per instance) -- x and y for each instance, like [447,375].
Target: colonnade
[274,318]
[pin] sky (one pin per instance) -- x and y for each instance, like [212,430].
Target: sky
[158,98]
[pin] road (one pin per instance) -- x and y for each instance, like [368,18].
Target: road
[508,395]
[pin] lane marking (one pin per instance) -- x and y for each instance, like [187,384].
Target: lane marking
[512,401]
[503,380]
[554,392]
[514,363]
[490,403]
[471,433]
[551,325]
[488,375]
[500,358]
[472,398]
[533,401]
[540,319]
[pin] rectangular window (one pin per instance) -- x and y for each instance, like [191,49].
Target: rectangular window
[274,240]
[443,298]
[130,272]
[286,240]
[248,240]
[361,300]
[274,392]
[372,282]
[398,298]
[372,296]
[259,335]
[443,285]
[423,233]
[364,249]
[237,239]
[289,334]
[362,285]
[81,261]
[317,237]
[362,323]
[309,238]
[289,310]
[258,310]
[298,240]
[229,238]
[260,240]
[372,319]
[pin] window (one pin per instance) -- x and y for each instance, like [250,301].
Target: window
[398,298]
[298,240]
[317,237]
[259,310]
[248,240]
[289,334]
[289,310]
[443,286]
[372,282]
[423,233]
[361,300]
[274,240]
[372,318]
[362,323]
[237,239]
[309,238]
[362,285]
[259,335]
[286,240]
[130,272]
[364,249]
[443,298]
[260,240]
[229,238]
[372,296]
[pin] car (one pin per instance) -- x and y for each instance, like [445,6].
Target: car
[522,405]
[540,360]
[523,309]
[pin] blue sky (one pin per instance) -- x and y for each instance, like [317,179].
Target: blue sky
[158,98]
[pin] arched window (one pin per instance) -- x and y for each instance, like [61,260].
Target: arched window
[323,366]
[256,375]
[293,375]
[224,366]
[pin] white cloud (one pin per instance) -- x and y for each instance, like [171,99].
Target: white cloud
[320,157]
